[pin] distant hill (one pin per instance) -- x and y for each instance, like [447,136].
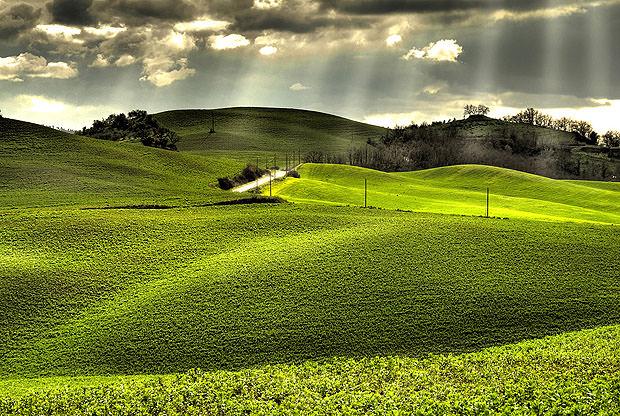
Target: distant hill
[40,166]
[485,128]
[267,129]
[458,190]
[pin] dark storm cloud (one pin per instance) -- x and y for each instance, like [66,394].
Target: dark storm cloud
[286,20]
[429,6]
[138,12]
[17,19]
[71,12]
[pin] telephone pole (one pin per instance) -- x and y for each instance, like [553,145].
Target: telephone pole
[488,202]
[212,123]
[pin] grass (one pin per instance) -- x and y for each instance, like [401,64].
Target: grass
[569,374]
[297,308]
[124,292]
[41,167]
[459,190]
[270,130]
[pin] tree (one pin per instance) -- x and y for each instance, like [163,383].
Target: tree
[611,139]
[137,124]
[583,128]
[1,114]
[475,110]
[483,110]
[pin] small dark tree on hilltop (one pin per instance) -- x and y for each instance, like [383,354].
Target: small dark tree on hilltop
[611,139]
[138,124]
[475,110]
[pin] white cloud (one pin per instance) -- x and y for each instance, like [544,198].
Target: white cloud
[163,71]
[445,50]
[180,41]
[125,60]
[100,62]
[202,25]
[26,65]
[106,32]
[61,32]
[268,50]
[49,111]
[267,4]
[221,42]
[298,87]
[393,40]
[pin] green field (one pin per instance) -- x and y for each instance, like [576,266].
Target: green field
[458,190]
[309,307]
[272,130]
[41,167]
[569,374]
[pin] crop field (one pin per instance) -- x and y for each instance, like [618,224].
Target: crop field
[267,130]
[41,167]
[459,190]
[134,291]
[309,306]
[574,373]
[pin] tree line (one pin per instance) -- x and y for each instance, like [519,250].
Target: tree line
[441,143]
[136,125]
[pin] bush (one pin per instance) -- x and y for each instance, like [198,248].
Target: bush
[293,174]
[225,183]
[248,174]
[138,124]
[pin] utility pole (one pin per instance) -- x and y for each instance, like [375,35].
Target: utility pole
[270,184]
[488,202]
[212,123]
[365,193]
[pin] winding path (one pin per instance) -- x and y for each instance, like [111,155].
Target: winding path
[263,180]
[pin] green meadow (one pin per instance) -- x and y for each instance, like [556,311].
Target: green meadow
[267,130]
[312,306]
[458,190]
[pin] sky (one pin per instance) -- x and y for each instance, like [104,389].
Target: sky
[386,62]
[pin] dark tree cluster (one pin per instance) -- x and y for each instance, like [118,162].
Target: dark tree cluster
[248,174]
[475,110]
[536,118]
[136,125]
[611,139]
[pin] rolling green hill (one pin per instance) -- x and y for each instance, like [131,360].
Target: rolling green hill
[127,291]
[457,190]
[574,373]
[267,129]
[125,299]
[40,166]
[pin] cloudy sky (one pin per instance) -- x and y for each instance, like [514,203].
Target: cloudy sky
[66,62]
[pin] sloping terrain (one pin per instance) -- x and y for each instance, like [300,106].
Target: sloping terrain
[40,166]
[459,190]
[267,130]
[128,292]
[485,128]
[573,373]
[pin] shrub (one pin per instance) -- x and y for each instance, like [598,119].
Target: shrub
[225,183]
[293,174]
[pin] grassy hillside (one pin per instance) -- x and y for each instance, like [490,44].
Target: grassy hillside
[44,167]
[458,190]
[267,129]
[484,128]
[128,292]
[575,373]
